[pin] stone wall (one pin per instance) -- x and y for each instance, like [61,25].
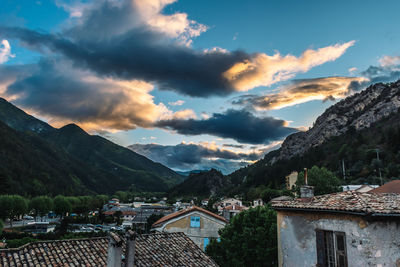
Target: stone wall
[369,242]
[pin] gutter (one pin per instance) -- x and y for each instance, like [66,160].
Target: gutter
[340,211]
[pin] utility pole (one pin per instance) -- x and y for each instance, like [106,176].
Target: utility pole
[379,168]
[344,171]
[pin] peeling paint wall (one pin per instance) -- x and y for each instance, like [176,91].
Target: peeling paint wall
[368,242]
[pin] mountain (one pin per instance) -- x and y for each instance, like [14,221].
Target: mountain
[351,132]
[203,184]
[70,161]
[355,112]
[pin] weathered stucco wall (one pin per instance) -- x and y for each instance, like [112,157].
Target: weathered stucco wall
[368,242]
[209,227]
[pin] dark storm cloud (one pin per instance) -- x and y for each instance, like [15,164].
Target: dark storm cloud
[139,55]
[194,156]
[240,125]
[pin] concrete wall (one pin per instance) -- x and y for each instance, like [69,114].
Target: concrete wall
[368,242]
[209,227]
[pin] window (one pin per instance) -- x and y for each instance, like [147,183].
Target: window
[206,242]
[331,249]
[195,221]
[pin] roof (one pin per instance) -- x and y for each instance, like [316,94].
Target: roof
[186,211]
[349,201]
[164,249]
[390,187]
[235,207]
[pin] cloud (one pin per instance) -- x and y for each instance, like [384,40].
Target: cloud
[5,51]
[301,91]
[176,103]
[197,156]
[64,95]
[135,40]
[240,125]
[264,70]
[387,61]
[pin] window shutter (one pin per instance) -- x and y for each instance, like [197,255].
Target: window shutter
[320,248]
[341,257]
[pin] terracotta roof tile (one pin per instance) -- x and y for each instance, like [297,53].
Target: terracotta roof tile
[186,211]
[390,187]
[350,201]
[164,249]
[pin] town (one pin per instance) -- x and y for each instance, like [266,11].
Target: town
[182,133]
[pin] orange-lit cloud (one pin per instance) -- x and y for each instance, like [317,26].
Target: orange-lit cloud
[301,91]
[264,70]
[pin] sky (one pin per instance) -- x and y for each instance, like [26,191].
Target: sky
[193,84]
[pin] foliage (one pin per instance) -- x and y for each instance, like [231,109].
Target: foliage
[357,149]
[41,205]
[1,226]
[69,161]
[12,206]
[250,239]
[61,205]
[152,219]
[323,180]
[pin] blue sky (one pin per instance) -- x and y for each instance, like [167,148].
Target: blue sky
[101,99]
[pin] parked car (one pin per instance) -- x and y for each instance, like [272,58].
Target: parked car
[27,217]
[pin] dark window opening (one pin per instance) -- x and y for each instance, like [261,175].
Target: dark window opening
[331,249]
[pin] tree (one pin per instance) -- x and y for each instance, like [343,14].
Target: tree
[323,180]
[1,226]
[62,206]
[152,219]
[250,239]
[41,205]
[12,206]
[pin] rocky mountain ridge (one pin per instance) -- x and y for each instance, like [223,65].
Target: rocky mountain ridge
[358,111]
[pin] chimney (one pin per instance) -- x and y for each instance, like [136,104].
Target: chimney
[306,191]
[130,248]
[305,176]
[114,250]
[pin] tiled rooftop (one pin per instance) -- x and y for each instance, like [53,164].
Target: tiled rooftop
[390,187]
[349,201]
[186,211]
[164,249]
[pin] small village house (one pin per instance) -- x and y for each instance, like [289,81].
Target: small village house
[340,229]
[198,224]
[220,205]
[230,211]
[258,202]
[291,180]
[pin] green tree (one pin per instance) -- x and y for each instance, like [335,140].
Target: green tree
[12,206]
[152,219]
[323,180]
[1,226]
[41,205]
[62,206]
[250,239]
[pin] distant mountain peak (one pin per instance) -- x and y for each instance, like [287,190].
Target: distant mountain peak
[357,112]
[72,128]
[20,120]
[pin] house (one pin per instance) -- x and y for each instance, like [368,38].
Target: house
[229,212]
[198,224]
[258,202]
[390,187]
[204,202]
[167,249]
[291,180]
[225,203]
[359,188]
[340,229]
